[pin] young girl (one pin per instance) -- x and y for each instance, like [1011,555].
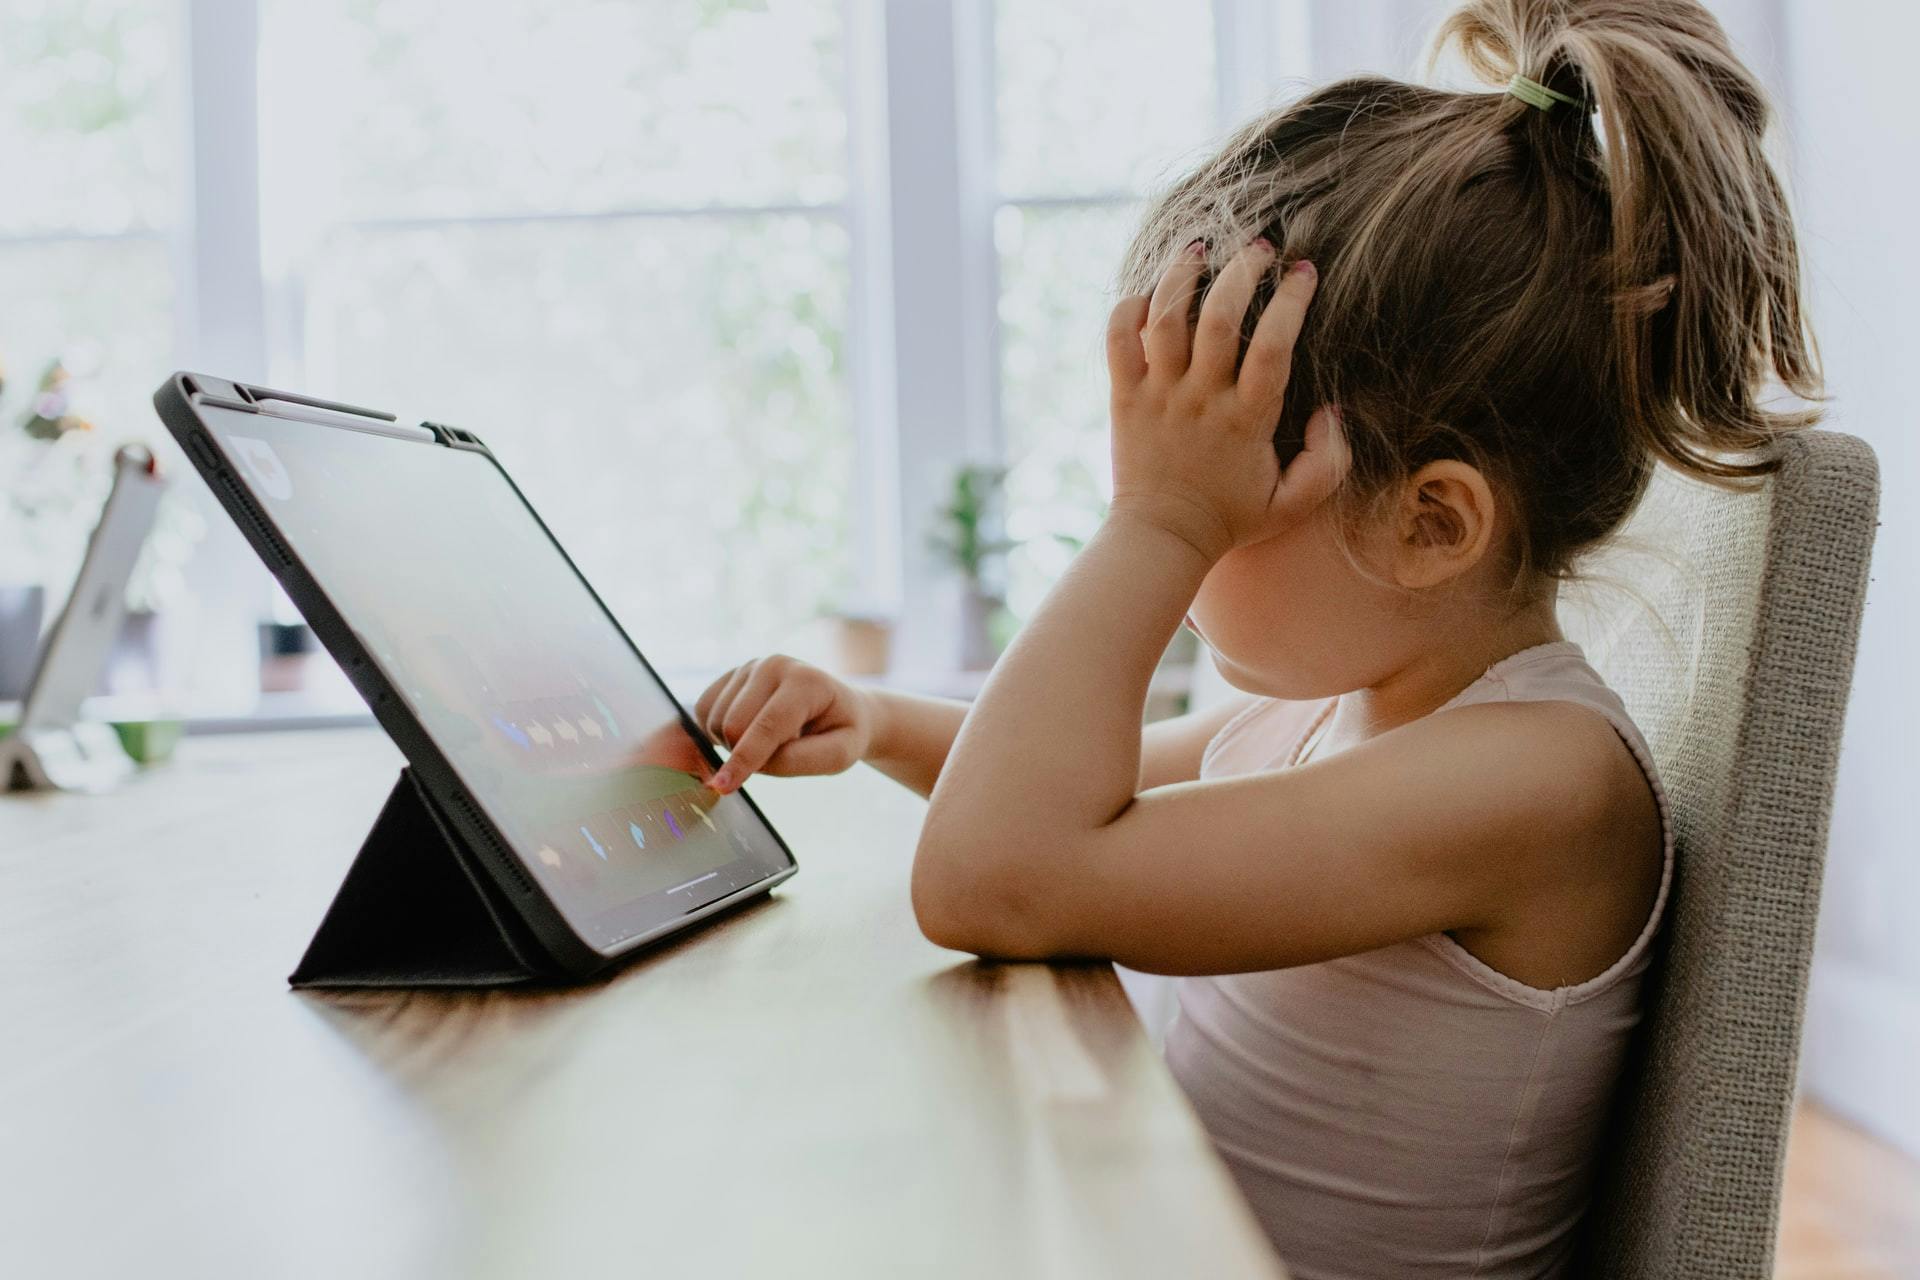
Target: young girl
[1395,358]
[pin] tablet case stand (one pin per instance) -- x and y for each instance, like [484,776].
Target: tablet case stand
[417,910]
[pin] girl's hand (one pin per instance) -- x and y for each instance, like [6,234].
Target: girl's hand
[780,716]
[1192,442]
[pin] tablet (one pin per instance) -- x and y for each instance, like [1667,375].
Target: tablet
[54,745]
[548,743]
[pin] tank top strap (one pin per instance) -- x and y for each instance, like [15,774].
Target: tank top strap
[1559,672]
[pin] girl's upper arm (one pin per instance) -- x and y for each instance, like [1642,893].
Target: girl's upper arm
[1451,822]
[1170,750]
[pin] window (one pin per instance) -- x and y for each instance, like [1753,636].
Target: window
[611,238]
[668,258]
[1078,144]
[91,162]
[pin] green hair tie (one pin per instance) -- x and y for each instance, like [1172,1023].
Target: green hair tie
[1535,94]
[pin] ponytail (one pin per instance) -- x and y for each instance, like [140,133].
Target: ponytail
[1704,270]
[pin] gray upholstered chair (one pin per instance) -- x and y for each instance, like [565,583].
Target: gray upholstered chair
[1735,660]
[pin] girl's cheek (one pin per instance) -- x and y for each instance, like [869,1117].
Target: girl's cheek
[1275,611]
[1230,609]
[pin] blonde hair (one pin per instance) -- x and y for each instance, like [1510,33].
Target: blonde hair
[1560,297]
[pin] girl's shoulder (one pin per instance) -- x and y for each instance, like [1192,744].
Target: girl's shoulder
[1545,782]
[1596,915]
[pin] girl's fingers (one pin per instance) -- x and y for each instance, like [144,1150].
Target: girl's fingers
[809,753]
[703,707]
[704,703]
[753,695]
[719,703]
[1216,336]
[1126,356]
[780,720]
[1167,339]
[1269,362]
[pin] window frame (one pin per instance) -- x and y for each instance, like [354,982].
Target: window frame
[942,143]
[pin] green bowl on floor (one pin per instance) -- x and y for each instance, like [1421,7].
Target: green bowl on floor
[150,741]
[147,741]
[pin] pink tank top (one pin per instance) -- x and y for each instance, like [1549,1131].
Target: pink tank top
[1410,1111]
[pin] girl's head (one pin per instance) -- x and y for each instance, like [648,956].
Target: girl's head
[1520,311]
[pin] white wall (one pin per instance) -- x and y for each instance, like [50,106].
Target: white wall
[1852,117]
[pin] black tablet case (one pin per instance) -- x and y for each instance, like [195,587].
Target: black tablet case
[419,907]
[416,910]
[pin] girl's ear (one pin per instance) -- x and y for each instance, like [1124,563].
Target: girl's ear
[1443,525]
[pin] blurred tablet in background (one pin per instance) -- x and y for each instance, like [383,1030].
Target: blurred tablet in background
[52,746]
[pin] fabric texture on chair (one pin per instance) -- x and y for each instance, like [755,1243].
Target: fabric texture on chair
[1735,660]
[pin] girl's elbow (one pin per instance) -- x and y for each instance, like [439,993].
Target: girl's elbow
[944,901]
[959,905]
[944,925]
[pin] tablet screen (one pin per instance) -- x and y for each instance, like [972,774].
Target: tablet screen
[561,733]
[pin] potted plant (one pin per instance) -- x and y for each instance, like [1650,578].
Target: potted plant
[969,535]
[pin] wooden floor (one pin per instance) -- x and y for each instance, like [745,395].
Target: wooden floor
[1851,1209]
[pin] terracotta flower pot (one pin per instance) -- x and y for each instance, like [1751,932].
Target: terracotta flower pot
[862,645]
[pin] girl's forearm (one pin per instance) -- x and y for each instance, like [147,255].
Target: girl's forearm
[1051,750]
[912,736]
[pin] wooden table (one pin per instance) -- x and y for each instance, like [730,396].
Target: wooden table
[808,1088]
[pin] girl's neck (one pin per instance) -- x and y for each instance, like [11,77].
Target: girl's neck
[1433,677]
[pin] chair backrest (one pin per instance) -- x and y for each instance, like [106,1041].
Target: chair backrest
[1735,661]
